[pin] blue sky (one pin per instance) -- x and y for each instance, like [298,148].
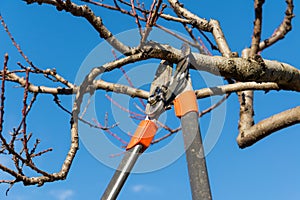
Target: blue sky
[267,170]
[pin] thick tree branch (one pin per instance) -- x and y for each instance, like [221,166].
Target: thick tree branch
[286,76]
[77,104]
[122,89]
[97,84]
[85,12]
[235,87]
[197,22]
[246,99]
[264,74]
[268,126]
[161,15]
[246,110]
[134,92]
[257,27]
[220,39]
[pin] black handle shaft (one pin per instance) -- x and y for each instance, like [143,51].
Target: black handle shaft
[195,157]
[115,185]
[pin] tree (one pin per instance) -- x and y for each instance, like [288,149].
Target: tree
[245,73]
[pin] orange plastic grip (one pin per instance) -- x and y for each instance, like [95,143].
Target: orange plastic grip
[185,102]
[143,134]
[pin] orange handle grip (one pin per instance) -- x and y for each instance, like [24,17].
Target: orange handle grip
[185,102]
[143,135]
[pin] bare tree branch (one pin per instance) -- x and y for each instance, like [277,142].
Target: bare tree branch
[282,30]
[152,18]
[198,22]
[240,69]
[251,72]
[15,43]
[203,112]
[269,126]
[257,27]
[85,12]
[220,39]
[246,99]
[235,87]
[137,21]
[212,26]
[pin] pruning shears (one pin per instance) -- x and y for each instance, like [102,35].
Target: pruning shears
[165,90]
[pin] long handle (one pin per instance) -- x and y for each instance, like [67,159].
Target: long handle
[115,185]
[195,157]
[142,137]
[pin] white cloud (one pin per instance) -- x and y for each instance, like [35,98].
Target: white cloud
[142,188]
[62,194]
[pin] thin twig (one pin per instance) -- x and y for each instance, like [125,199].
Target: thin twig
[24,116]
[190,32]
[166,136]
[151,20]
[27,111]
[2,98]
[206,51]
[16,44]
[86,107]
[110,132]
[283,29]
[137,21]
[58,103]
[127,77]
[176,35]
[203,112]
[122,108]
[212,46]
[41,152]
